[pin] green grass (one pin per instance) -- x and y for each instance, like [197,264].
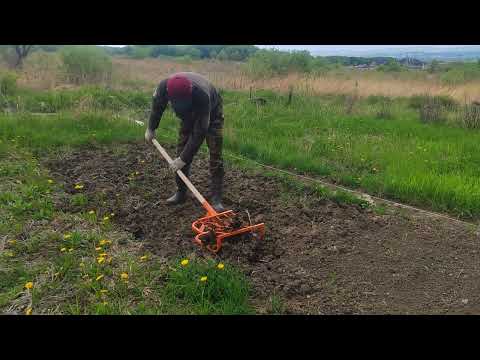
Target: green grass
[436,166]
[79,264]
[380,147]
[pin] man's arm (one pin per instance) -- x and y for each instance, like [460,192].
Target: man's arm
[159,103]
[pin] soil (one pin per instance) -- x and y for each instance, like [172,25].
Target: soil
[318,257]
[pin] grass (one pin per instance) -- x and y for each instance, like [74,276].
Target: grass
[377,145]
[430,165]
[77,263]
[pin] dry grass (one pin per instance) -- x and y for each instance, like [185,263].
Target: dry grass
[43,71]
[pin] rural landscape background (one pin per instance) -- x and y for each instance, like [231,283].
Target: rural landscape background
[83,228]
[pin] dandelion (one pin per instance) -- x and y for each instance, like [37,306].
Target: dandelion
[103,291]
[100,259]
[29,285]
[203,279]
[103,254]
[67,236]
[70,250]
[98,248]
[78,187]
[220,266]
[144,258]
[106,218]
[124,276]
[82,264]
[12,242]
[28,311]
[91,212]
[184,262]
[50,181]
[99,277]
[142,161]
[63,249]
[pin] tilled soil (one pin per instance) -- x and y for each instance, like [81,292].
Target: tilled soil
[318,257]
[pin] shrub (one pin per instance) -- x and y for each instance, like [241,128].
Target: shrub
[432,111]
[86,64]
[419,101]
[8,83]
[470,116]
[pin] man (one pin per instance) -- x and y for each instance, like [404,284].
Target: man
[200,108]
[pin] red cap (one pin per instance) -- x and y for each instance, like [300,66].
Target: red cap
[179,87]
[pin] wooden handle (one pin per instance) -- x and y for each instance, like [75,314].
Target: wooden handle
[182,175]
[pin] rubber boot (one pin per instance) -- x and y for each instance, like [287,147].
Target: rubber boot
[216,199]
[178,198]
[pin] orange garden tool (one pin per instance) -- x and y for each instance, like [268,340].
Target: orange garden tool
[214,227]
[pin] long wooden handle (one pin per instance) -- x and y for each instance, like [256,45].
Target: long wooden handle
[182,176]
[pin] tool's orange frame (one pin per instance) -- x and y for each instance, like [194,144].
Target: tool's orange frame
[218,222]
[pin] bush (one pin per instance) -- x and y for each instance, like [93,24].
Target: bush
[419,101]
[460,73]
[433,111]
[8,83]
[276,62]
[470,116]
[391,66]
[87,64]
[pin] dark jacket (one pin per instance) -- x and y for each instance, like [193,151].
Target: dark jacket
[205,99]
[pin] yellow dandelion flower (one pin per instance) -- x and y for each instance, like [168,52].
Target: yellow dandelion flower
[144,258]
[106,218]
[103,291]
[82,264]
[99,277]
[70,250]
[220,266]
[28,311]
[103,255]
[78,187]
[67,236]
[50,181]
[142,161]
[29,285]
[91,212]
[100,259]
[63,249]
[12,242]
[98,248]
[124,276]
[184,262]
[203,279]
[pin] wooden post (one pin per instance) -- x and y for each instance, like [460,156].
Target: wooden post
[290,94]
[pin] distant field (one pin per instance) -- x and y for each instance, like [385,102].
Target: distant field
[46,73]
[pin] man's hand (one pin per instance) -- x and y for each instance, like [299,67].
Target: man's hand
[149,135]
[177,164]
